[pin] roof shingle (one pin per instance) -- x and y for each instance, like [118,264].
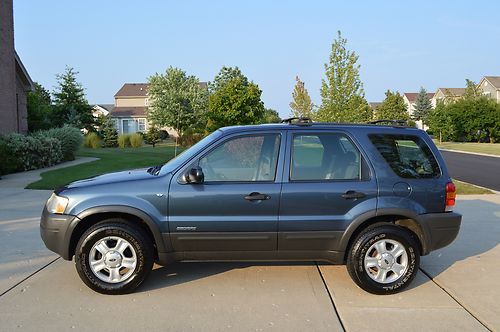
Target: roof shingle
[128,112]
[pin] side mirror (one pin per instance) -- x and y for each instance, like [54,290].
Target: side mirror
[195,175]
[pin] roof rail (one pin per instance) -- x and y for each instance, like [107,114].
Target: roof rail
[394,122]
[300,121]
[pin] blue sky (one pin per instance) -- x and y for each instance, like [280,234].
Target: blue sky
[402,45]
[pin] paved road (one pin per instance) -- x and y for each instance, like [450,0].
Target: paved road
[481,170]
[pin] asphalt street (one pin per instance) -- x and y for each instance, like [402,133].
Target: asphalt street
[476,169]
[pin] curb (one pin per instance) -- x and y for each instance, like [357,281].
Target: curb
[473,153]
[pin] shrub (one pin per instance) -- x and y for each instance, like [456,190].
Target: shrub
[136,140]
[124,140]
[153,136]
[9,163]
[109,133]
[189,138]
[92,140]
[33,152]
[70,138]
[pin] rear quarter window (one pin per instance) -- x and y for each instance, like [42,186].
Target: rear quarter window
[407,155]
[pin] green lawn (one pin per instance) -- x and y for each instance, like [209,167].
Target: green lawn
[111,159]
[464,188]
[487,148]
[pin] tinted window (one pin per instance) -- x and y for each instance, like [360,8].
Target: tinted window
[324,157]
[409,156]
[247,158]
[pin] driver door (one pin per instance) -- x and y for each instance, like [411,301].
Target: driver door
[236,207]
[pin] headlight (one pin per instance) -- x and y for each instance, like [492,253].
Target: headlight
[57,204]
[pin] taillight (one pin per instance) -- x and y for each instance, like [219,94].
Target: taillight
[451,194]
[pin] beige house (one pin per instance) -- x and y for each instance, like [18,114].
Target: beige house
[446,94]
[15,82]
[490,85]
[409,99]
[129,110]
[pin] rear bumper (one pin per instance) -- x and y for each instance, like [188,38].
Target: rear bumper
[440,229]
[53,230]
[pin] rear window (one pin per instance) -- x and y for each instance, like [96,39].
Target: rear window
[409,156]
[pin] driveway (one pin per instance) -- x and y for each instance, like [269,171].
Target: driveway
[473,168]
[456,288]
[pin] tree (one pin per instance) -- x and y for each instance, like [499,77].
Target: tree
[70,104]
[393,107]
[153,136]
[271,116]
[233,100]
[472,90]
[39,105]
[301,105]
[108,132]
[177,100]
[342,95]
[422,106]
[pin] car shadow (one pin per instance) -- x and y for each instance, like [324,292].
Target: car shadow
[184,272]
[479,233]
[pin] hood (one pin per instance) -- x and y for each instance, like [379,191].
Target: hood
[123,176]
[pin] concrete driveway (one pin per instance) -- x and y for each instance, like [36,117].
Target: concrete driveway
[456,289]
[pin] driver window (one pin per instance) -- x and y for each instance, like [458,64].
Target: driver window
[245,158]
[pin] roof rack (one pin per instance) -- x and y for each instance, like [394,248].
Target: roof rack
[300,121]
[394,122]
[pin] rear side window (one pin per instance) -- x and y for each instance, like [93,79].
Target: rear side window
[325,156]
[409,156]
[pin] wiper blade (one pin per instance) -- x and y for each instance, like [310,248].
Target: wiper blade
[155,170]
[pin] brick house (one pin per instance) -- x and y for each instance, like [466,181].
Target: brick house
[15,82]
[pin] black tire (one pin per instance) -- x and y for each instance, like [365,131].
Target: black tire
[138,241]
[358,251]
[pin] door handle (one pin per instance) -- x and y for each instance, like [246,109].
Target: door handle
[351,194]
[257,197]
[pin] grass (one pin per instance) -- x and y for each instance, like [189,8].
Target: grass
[487,148]
[111,159]
[464,188]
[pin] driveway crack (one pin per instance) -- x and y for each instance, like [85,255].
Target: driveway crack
[331,298]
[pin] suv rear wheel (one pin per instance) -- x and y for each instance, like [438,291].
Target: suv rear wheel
[114,257]
[384,259]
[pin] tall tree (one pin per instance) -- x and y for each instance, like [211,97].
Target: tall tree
[422,106]
[234,100]
[342,94]
[393,107]
[301,105]
[177,100]
[39,105]
[70,104]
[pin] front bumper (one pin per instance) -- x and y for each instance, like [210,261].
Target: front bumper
[440,229]
[54,232]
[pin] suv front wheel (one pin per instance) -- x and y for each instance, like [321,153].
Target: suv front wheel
[114,257]
[384,259]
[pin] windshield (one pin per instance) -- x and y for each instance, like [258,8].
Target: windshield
[189,153]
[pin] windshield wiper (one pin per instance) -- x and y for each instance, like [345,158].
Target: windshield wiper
[155,170]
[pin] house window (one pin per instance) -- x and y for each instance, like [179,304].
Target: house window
[128,126]
[146,103]
[141,125]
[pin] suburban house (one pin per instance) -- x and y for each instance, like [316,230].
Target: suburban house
[15,82]
[129,109]
[491,87]
[445,94]
[410,99]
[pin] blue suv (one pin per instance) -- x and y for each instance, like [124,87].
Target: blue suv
[374,197]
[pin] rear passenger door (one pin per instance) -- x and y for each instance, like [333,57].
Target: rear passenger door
[326,184]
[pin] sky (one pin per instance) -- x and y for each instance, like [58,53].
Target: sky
[402,45]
